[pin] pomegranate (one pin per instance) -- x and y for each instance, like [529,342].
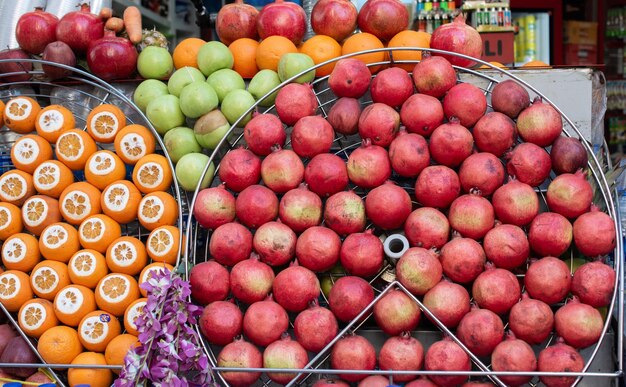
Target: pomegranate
[379,123]
[112,57]
[514,355]
[559,358]
[240,354]
[494,133]
[391,87]
[446,355]
[326,174]
[300,209]
[315,327]
[396,312]
[529,164]
[318,248]
[481,171]
[295,101]
[369,165]
[235,21]
[539,124]
[593,283]
[471,215]
[230,243]
[264,322]
[263,132]
[374,381]
[345,213]
[550,234]
[531,320]
[15,66]
[594,233]
[209,282]
[282,18]
[275,243]
[79,28]
[481,330]
[510,98]
[409,154]
[506,245]
[334,18]
[295,287]
[418,270]
[311,136]
[460,38]
[450,144]
[214,207]
[515,203]
[350,78]
[437,186]
[251,280]
[568,155]
[433,75]
[353,352]
[421,114]
[462,259]
[388,206]
[349,296]
[580,325]
[35,30]
[256,205]
[570,194]
[427,227]
[361,254]
[240,169]
[282,170]
[331,382]
[220,322]
[448,301]
[383,18]
[343,116]
[496,289]
[548,279]
[284,353]
[422,381]
[58,52]
[401,353]
[465,102]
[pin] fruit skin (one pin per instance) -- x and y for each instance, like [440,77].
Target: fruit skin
[240,169]
[494,133]
[408,154]
[496,289]
[284,353]
[514,355]
[251,280]
[214,207]
[418,270]
[282,170]
[230,243]
[300,208]
[256,205]
[388,206]
[434,75]
[379,123]
[460,38]
[507,246]
[295,287]
[383,18]
[472,216]
[548,280]
[510,98]
[594,233]
[369,165]
[263,132]
[515,203]
[220,322]
[362,254]
[568,155]
[401,353]
[344,213]
[462,259]
[427,227]
[481,331]
[396,313]
[315,327]
[437,186]
[326,174]
[580,325]
[282,18]
[465,102]
[448,301]
[528,163]
[350,78]
[559,358]
[318,248]
[539,124]
[349,296]
[450,144]
[570,195]
[264,322]
[531,320]
[334,18]
[243,354]
[482,171]
[550,234]
[275,243]
[421,114]
[446,355]
[295,101]
[209,282]
[593,283]
[11,67]
[34,30]
[353,353]
[344,115]
[235,21]
[311,136]
[392,87]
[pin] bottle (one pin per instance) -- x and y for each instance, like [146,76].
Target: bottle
[420,6]
[421,22]
[429,24]
[500,17]
[507,17]
[436,4]
[444,18]
[436,21]
[451,5]
[428,6]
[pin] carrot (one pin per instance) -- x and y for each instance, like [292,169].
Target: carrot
[105,13]
[132,21]
[114,24]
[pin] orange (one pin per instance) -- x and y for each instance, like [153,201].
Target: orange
[409,38]
[16,186]
[537,63]
[134,310]
[157,209]
[36,316]
[152,173]
[29,151]
[322,48]
[244,55]
[54,120]
[364,41]
[14,289]
[20,252]
[496,64]
[115,292]
[126,255]
[94,377]
[186,52]
[72,303]
[52,177]
[48,277]
[117,349]
[38,212]
[58,242]
[1,112]
[97,329]
[103,168]
[133,142]
[73,148]
[270,50]
[10,220]
[87,267]
[146,274]
[20,114]
[104,121]
[163,244]
[97,232]
[79,201]
[120,201]
[59,345]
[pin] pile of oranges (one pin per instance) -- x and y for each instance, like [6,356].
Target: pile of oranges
[71,273]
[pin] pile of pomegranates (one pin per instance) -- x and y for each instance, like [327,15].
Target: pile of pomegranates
[490,194]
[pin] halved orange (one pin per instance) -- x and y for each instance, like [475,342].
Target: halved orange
[54,120]
[38,212]
[29,151]
[59,345]
[52,177]
[14,289]
[36,316]
[2,111]
[147,272]
[126,255]
[104,121]
[103,168]
[73,148]
[58,242]
[117,349]
[152,173]
[133,142]
[97,329]
[10,220]
[157,209]
[97,232]
[79,201]
[72,303]
[20,114]
[163,244]
[134,310]
[87,267]
[16,186]
[93,377]
[20,252]
[48,277]
[115,292]
[120,201]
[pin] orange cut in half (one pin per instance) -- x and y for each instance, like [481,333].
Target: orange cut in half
[97,329]
[14,289]
[152,173]
[52,177]
[149,270]
[20,252]
[157,209]
[54,120]
[126,255]
[134,142]
[10,220]
[87,267]
[36,316]
[20,114]
[58,242]
[48,277]
[132,313]
[59,345]
[115,292]
[79,201]
[29,151]
[38,212]
[16,186]
[73,148]
[104,121]
[97,232]
[2,106]
[103,168]
[72,303]
[120,200]
[163,244]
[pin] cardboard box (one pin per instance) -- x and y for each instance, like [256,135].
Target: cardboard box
[579,32]
[498,47]
[581,54]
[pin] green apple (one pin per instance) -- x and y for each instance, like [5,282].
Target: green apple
[224,81]
[147,91]
[235,104]
[179,142]
[164,113]
[182,77]
[155,63]
[262,83]
[210,128]
[189,171]
[198,98]
[213,56]
[293,63]
[328,278]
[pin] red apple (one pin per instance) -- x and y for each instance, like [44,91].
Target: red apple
[383,18]
[335,18]
[15,66]
[282,18]
[237,20]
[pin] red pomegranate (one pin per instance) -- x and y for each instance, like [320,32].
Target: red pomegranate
[353,352]
[460,38]
[209,282]
[515,203]
[462,259]
[422,381]
[510,98]
[495,133]
[471,215]
[349,296]
[580,325]
[35,30]
[326,174]
[263,132]
[465,102]
[401,353]
[548,279]
[374,381]
[344,114]
[345,213]
[409,154]
[242,354]
[594,233]
[570,194]
[350,78]
[481,331]
[251,280]
[282,18]
[295,101]
[379,123]
[391,87]
[318,248]
[220,322]
[594,283]
[496,289]
[362,254]
[300,209]
[418,270]
[531,320]
[230,243]
[450,144]
[235,21]
[568,155]
[514,355]
[396,312]
[331,382]
[559,358]
[427,227]
[421,114]
[437,186]
[506,245]
[550,234]
[284,353]
[539,124]
[369,165]
[529,164]
[239,169]
[388,206]
[295,287]
[214,207]
[334,18]
[434,75]
[448,301]
[311,136]
[446,355]
[256,205]
[264,322]
[315,327]
[383,18]
[282,170]
[275,243]
[481,171]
